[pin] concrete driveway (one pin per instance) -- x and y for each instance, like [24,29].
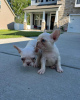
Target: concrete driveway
[19,83]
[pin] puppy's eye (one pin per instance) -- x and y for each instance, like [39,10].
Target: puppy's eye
[43,40]
[22,59]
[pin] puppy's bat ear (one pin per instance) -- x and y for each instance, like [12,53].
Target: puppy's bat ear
[19,50]
[55,34]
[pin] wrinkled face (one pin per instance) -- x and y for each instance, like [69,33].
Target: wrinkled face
[28,55]
[44,41]
[28,61]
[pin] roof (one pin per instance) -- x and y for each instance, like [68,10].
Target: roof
[39,7]
[9,7]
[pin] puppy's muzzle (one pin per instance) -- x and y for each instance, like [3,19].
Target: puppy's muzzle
[28,63]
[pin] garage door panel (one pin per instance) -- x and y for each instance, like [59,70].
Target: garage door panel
[74,24]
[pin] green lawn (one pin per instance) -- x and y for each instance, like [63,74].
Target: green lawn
[16,34]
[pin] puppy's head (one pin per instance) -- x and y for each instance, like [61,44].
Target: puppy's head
[46,40]
[27,55]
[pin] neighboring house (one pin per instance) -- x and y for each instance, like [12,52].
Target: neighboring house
[50,14]
[6,15]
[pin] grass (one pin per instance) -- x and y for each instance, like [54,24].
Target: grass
[16,34]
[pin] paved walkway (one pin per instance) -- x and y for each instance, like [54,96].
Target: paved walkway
[19,83]
[11,40]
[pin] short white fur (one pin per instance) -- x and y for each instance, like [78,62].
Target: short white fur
[28,53]
[50,52]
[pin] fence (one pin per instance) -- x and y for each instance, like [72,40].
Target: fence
[18,26]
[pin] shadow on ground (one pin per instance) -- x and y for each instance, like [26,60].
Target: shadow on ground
[68,45]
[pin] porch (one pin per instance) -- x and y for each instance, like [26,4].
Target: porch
[41,17]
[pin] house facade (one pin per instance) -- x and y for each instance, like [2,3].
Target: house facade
[51,14]
[6,15]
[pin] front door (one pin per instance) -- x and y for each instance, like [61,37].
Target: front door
[52,22]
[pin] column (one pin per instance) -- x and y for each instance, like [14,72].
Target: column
[31,20]
[43,22]
[25,21]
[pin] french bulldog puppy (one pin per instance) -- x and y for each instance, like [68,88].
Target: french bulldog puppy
[50,54]
[28,55]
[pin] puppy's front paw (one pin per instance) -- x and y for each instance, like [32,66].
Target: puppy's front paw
[41,71]
[60,70]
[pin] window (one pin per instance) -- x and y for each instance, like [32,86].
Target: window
[77,3]
[0,4]
[37,1]
[37,19]
[49,0]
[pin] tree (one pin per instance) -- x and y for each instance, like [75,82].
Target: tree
[18,6]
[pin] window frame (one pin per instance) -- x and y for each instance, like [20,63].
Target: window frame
[38,1]
[76,3]
[49,0]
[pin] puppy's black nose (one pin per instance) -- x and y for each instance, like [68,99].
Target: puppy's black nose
[28,63]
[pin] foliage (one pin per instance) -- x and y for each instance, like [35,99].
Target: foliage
[18,6]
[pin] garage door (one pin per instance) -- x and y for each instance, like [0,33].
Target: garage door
[74,23]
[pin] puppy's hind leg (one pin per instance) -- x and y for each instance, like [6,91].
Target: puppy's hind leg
[52,67]
[58,65]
